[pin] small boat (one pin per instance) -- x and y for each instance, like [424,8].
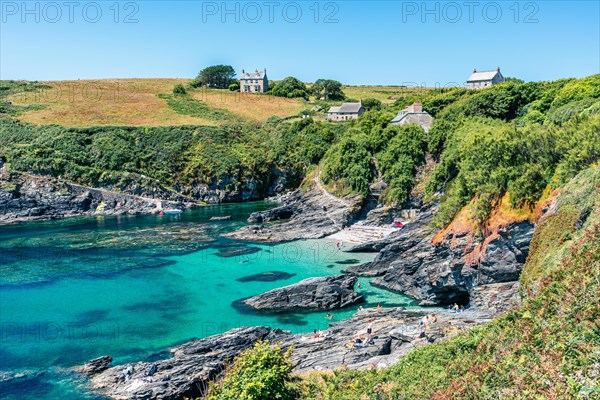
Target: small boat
[172,211]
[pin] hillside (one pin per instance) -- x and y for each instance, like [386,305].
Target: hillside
[133,102]
[549,348]
[141,102]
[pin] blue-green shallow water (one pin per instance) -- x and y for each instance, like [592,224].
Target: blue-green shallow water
[131,287]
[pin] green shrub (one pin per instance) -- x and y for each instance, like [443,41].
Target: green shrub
[259,373]
[179,89]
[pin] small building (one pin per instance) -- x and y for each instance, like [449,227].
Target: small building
[483,79]
[345,112]
[254,82]
[413,114]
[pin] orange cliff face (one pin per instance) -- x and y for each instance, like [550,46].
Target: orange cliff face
[463,229]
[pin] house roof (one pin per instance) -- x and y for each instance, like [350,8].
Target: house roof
[483,76]
[347,108]
[402,114]
[407,111]
[253,75]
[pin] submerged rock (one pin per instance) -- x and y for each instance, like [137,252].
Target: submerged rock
[325,293]
[269,276]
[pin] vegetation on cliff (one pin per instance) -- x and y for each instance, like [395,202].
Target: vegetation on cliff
[548,348]
[517,138]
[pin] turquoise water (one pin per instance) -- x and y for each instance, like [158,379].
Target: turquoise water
[131,287]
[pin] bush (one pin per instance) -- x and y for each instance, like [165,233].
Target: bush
[234,86]
[372,104]
[179,89]
[259,373]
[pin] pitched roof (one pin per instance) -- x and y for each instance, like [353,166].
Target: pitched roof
[403,113]
[483,76]
[347,108]
[253,75]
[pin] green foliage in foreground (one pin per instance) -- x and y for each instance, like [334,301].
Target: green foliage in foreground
[259,373]
[549,348]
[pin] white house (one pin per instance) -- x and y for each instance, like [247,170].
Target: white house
[483,79]
[345,112]
[254,82]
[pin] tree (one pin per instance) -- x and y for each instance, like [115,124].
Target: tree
[179,89]
[290,87]
[217,76]
[328,89]
[371,104]
[234,86]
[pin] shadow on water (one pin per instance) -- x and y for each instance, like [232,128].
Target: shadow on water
[292,319]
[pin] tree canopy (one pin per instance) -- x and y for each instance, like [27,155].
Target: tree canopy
[328,89]
[217,76]
[290,87]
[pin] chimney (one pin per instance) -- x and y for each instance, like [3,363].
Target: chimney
[474,70]
[243,72]
[498,69]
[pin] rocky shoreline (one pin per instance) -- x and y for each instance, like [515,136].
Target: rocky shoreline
[458,268]
[193,365]
[25,197]
[308,213]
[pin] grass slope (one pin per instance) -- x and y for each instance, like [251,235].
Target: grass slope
[547,349]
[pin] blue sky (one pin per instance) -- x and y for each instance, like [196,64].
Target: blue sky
[355,42]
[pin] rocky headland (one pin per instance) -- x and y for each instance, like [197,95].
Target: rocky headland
[307,213]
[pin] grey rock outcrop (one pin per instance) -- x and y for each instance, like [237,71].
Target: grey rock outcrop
[94,366]
[193,365]
[25,197]
[186,374]
[326,293]
[303,214]
[447,272]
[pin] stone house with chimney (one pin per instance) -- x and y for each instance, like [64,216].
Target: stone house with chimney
[483,79]
[254,82]
[414,114]
[345,112]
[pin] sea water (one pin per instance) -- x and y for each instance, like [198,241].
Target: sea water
[133,286]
